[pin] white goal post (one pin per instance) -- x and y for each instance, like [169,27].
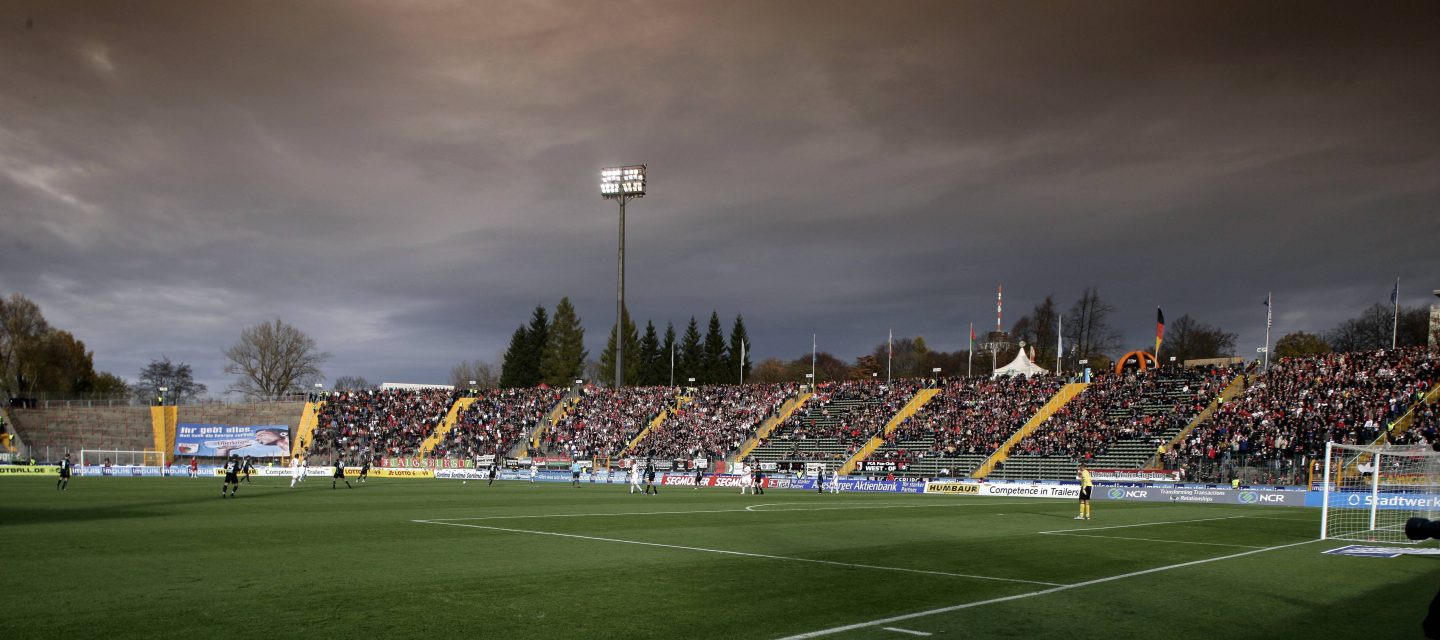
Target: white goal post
[1371,490]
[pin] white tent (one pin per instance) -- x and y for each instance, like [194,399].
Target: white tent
[1021,366]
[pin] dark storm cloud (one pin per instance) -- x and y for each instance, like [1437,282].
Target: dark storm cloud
[406,180]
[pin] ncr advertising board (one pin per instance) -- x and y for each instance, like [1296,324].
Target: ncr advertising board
[222,440]
[1202,495]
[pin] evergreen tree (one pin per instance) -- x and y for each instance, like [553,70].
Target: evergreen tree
[714,360]
[511,370]
[653,366]
[536,336]
[667,350]
[690,356]
[738,337]
[632,350]
[564,358]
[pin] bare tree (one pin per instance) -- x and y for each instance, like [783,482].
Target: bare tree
[273,359]
[352,383]
[483,373]
[1088,327]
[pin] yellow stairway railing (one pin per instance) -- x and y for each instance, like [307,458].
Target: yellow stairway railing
[1061,397]
[446,425]
[309,419]
[561,408]
[1231,390]
[659,419]
[769,425]
[919,400]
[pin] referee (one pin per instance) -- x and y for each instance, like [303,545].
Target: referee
[1085,486]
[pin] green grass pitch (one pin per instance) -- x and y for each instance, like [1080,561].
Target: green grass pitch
[126,557]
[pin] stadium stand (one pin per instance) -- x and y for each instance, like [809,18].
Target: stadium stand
[52,431]
[392,422]
[1285,416]
[1117,422]
[604,420]
[962,426]
[716,421]
[836,422]
[497,420]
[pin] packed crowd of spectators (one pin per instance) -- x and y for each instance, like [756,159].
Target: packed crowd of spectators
[1121,406]
[1287,414]
[605,420]
[849,413]
[971,417]
[388,422]
[715,422]
[497,421]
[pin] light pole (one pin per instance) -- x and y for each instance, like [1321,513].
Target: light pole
[162,395]
[623,184]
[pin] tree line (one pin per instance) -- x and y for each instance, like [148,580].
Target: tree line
[550,349]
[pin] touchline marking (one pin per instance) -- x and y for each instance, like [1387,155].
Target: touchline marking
[909,631]
[736,553]
[1143,524]
[746,509]
[1042,592]
[1208,544]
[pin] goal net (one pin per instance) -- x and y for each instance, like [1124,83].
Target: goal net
[99,457]
[1371,490]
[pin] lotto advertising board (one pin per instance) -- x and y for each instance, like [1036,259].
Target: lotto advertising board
[224,440]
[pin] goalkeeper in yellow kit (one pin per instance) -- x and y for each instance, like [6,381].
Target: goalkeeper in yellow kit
[1085,486]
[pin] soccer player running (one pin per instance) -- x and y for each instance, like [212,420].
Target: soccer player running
[699,476]
[364,468]
[534,471]
[1085,485]
[232,476]
[297,471]
[247,466]
[340,474]
[494,468]
[759,481]
[63,484]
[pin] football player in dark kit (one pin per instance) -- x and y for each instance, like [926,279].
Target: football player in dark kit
[247,466]
[759,480]
[340,474]
[494,468]
[232,476]
[63,483]
[650,478]
[364,468]
[699,477]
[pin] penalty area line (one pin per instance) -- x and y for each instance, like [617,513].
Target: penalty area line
[1142,524]
[736,553]
[1032,594]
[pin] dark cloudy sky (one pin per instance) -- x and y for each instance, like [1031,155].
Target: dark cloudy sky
[406,180]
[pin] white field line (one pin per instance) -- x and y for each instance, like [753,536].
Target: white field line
[909,631]
[746,509]
[734,553]
[1143,524]
[1208,544]
[1042,592]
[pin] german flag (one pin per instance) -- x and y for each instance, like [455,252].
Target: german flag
[1159,330]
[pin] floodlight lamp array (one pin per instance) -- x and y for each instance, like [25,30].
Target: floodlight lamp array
[623,182]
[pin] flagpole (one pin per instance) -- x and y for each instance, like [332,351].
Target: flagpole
[970,355]
[1269,315]
[1395,315]
[812,363]
[742,362]
[1059,340]
[890,357]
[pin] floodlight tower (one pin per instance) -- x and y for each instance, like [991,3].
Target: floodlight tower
[623,184]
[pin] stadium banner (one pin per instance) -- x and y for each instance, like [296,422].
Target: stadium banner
[1363,500]
[1134,475]
[1005,490]
[221,440]
[17,470]
[1203,495]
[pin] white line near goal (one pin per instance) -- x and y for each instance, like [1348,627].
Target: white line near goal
[735,553]
[1032,594]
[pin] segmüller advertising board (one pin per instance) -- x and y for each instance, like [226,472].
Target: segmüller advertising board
[221,440]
